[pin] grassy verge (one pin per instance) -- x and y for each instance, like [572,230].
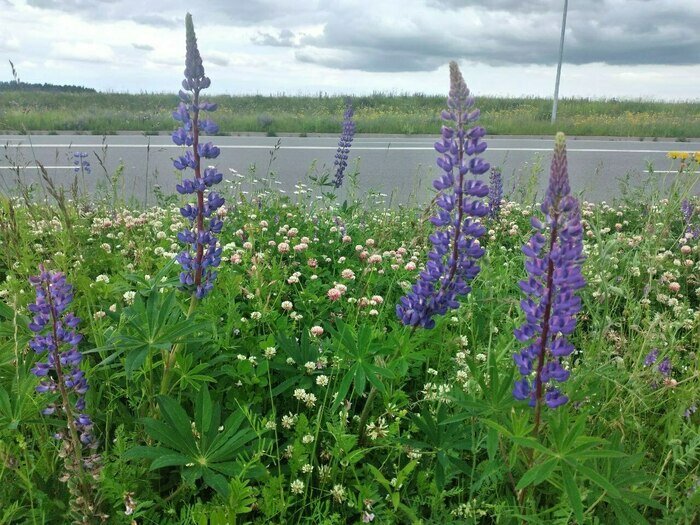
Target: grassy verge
[289,407]
[379,113]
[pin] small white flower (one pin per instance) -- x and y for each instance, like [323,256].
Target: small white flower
[297,486]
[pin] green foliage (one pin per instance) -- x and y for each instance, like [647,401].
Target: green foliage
[200,447]
[366,418]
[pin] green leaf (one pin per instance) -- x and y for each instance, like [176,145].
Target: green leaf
[177,418]
[216,481]
[532,443]
[492,443]
[343,389]
[537,474]
[134,360]
[596,478]
[203,410]
[163,433]
[170,460]
[142,452]
[572,492]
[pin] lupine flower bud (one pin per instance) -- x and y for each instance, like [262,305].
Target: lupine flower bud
[451,263]
[202,254]
[554,256]
[341,156]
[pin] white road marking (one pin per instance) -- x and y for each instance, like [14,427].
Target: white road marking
[37,167]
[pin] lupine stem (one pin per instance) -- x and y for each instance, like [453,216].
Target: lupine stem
[65,401]
[200,194]
[76,445]
[545,328]
[170,361]
[460,199]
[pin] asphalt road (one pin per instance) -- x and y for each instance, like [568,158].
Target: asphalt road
[401,167]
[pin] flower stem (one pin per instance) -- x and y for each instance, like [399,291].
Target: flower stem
[170,360]
[545,327]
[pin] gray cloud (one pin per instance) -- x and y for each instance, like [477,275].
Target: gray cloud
[171,13]
[415,35]
[512,32]
[218,60]
[285,38]
[157,20]
[143,47]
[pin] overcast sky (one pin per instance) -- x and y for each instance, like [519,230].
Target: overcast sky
[614,48]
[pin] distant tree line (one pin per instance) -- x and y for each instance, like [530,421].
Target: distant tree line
[27,86]
[17,85]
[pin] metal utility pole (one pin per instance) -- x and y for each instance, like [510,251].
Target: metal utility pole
[561,56]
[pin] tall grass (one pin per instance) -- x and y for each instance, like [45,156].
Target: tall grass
[377,113]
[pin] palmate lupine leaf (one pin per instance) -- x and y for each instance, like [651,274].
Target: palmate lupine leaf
[198,445]
[152,324]
[358,352]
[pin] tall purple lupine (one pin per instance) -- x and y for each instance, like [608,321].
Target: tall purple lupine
[56,338]
[202,254]
[452,261]
[495,192]
[341,156]
[554,257]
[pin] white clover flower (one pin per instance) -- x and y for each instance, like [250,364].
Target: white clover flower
[338,493]
[310,400]
[289,420]
[129,297]
[300,394]
[297,486]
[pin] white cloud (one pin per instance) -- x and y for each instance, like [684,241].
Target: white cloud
[83,52]
[9,43]
[620,48]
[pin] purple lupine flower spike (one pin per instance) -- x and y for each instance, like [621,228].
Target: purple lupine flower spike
[495,192]
[452,261]
[341,156]
[203,253]
[554,257]
[55,336]
[80,163]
